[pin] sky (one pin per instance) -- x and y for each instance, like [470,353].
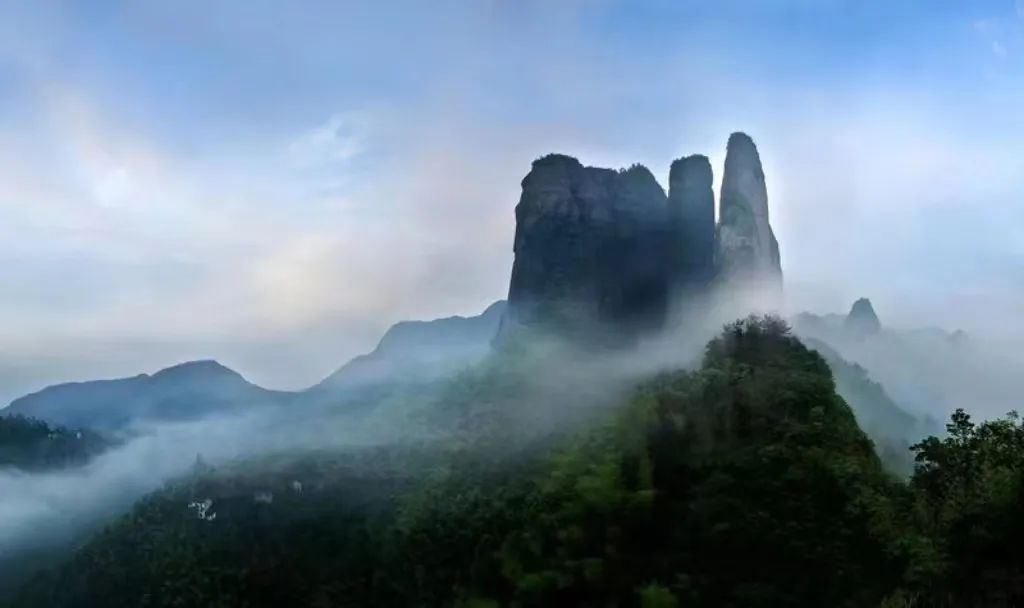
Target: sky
[272,185]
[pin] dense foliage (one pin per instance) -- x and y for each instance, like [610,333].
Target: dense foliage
[746,482]
[891,428]
[33,445]
[970,489]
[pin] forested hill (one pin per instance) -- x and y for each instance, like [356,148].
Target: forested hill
[33,445]
[744,483]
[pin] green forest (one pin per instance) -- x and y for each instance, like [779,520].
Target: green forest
[745,482]
[32,445]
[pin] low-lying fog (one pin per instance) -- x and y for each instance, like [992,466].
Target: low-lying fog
[927,372]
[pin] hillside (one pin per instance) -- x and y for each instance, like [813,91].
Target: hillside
[746,482]
[927,370]
[412,351]
[890,427]
[182,392]
[547,518]
[33,446]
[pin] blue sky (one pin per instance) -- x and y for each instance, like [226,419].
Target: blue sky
[272,184]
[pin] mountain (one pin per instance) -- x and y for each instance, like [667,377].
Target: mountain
[411,352]
[879,390]
[859,324]
[600,255]
[862,320]
[691,202]
[590,249]
[556,474]
[420,350]
[891,427]
[607,253]
[747,251]
[743,483]
[186,391]
[927,370]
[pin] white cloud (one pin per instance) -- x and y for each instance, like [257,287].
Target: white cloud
[341,138]
[986,26]
[324,236]
[152,247]
[112,187]
[995,31]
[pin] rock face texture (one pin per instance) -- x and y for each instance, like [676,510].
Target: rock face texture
[590,248]
[862,320]
[608,250]
[691,204]
[747,252]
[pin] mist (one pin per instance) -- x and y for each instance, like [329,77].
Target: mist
[285,188]
[562,388]
[48,509]
[930,371]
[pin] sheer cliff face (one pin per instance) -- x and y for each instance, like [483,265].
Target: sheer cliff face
[692,218]
[747,253]
[589,248]
[603,249]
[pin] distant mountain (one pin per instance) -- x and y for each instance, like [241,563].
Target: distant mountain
[891,427]
[186,391]
[927,370]
[862,320]
[883,392]
[420,350]
[410,352]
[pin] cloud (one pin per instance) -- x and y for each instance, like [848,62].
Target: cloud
[126,243]
[987,26]
[996,31]
[279,210]
[340,139]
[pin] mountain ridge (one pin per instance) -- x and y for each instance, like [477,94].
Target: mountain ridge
[186,390]
[418,350]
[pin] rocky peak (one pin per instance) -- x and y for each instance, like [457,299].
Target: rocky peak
[862,320]
[604,249]
[638,190]
[588,248]
[691,203]
[747,250]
